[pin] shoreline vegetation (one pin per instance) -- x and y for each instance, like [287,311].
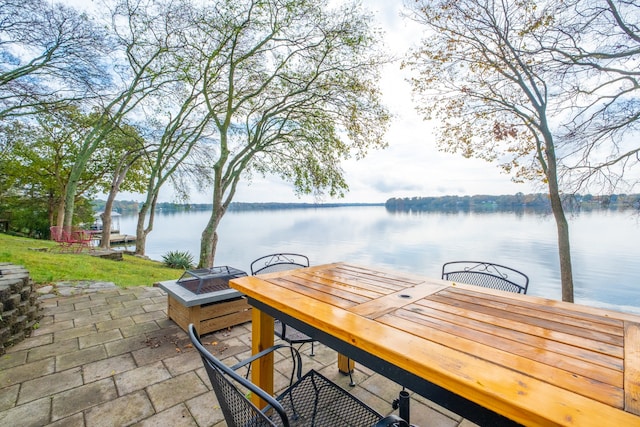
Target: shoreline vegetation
[477,203]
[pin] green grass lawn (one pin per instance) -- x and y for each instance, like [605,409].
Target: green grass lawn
[50,266]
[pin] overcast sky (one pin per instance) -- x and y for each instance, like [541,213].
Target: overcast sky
[411,165]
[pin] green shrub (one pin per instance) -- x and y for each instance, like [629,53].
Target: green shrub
[178,259]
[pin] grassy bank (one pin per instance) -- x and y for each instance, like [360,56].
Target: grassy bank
[50,266]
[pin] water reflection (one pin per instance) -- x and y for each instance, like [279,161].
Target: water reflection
[604,249]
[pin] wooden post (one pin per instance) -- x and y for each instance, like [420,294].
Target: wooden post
[262,332]
[632,367]
[345,365]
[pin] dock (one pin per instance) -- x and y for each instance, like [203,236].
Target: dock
[121,238]
[114,238]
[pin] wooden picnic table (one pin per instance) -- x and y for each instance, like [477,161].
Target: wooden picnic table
[492,357]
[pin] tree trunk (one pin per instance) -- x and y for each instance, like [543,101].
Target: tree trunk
[209,237]
[564,251]
[70,193]
[149,206]
[118,179]
[51,208]
[105,239]
[141,236]
[61,211]
[208,244]
[564,247]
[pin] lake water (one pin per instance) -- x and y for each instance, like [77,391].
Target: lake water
[605,248]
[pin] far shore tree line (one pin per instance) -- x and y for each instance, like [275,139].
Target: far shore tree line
[538,202]
[129,207]
[136,95]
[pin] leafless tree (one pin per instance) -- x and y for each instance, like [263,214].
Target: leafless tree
[49,54]
[598,42]
[482,72]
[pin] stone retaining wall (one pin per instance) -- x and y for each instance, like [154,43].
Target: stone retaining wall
[19,307]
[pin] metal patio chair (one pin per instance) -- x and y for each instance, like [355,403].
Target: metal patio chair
[81,238]
[61,236]
[71,239]
[310,400]
[486,274]
[282,262]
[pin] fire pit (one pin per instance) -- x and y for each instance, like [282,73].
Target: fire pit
[203,297]
[205,280]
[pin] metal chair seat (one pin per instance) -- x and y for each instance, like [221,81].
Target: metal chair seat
[486,274]
[315,400]
[291,335]
[310,400]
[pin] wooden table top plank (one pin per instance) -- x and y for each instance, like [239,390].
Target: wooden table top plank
[589,351]
[507,326]
[540,307]
[403,279]
[632,367]
[300,290]
[381,284]
[599,314]
[600,389]
[360,288]
[387,303]
[553,322]
[321,293]
[567,371]
[350,291]
[569,316]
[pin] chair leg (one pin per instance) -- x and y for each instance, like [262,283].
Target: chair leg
[346,366]
[293,368]
[312,353]
[351,382]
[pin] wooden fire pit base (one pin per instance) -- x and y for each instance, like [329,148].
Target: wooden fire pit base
[209,312]
[212,316]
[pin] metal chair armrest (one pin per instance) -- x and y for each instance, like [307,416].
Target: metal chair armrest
[297,363]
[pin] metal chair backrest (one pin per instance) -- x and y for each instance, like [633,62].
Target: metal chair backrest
[282,262]
[310,400]
[278,262]
[486,274]
[232,389]
[60,234]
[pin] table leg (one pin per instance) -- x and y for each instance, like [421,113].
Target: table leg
[262,333]
[345,365]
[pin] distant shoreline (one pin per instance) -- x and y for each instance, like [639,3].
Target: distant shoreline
[517,202]
[242,206]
